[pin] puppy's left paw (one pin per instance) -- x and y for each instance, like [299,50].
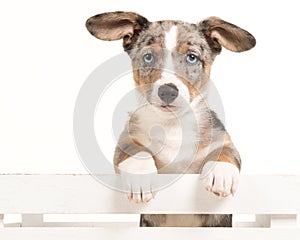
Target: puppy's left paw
[221,178]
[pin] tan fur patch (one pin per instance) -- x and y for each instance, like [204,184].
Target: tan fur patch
[183,48]
[145,83]
[194,92]
[224,158]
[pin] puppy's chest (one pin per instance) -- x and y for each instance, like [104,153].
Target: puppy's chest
[175,146]
[168,139]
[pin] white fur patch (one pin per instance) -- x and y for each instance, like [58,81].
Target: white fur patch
[140,163]
[171,38]
[170,44]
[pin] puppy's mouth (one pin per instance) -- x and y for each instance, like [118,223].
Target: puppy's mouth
[167,107]
[164,107]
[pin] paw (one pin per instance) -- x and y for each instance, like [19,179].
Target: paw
[137,173]
[138,188]
[221,178]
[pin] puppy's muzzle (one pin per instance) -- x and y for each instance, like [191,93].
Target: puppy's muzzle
[168,93]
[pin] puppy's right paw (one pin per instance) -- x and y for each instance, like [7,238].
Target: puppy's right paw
[138,187]
[137,173]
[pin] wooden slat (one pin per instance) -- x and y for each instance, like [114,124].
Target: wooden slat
[283,221]
[1,220]
[32,220]
[263,220]
[36,194]
[148,233]
[76,224]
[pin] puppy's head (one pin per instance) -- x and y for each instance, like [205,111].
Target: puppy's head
[171,59]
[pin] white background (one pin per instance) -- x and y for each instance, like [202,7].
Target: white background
[46,54]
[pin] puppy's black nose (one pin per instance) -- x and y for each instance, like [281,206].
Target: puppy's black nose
[168,93]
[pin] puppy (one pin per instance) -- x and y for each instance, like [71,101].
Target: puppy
[174,130]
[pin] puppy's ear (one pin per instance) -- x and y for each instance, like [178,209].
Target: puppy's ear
[117,25]
[221,33]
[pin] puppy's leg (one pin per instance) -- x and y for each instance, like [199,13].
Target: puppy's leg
[221,169]
[137,169]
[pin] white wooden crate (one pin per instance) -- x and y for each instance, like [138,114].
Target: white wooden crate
[275,201]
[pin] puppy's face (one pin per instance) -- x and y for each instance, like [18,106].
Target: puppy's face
[171,62]
[171,59]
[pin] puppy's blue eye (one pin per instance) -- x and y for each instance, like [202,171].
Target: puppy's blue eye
[148,58]
[191,58]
